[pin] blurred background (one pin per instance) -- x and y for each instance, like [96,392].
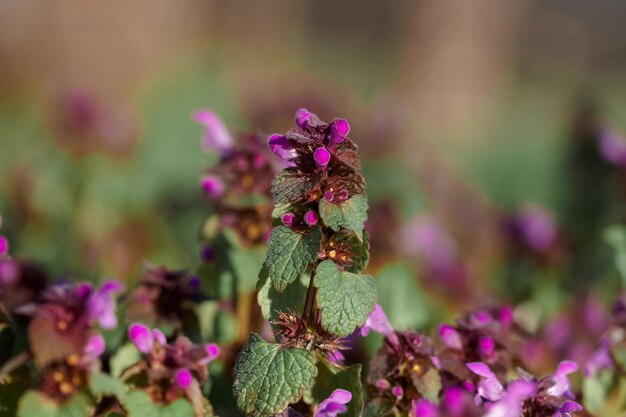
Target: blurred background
[468,114]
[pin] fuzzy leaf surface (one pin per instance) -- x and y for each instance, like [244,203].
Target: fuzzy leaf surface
[290,253]
[345,298]
[350,214]
[290,185]
[291,299]
[269,377]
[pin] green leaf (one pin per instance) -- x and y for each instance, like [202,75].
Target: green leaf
[35,404]
[596,390]
[289,254]
[289,185]
[360,253]
[428,384]
[104,385]
[378,407]
[615,236]
[401,297]
[331,377]
[245,262]
[125,356]
[268,377]
[350,214]
[345,298]
[291,299]
[139,404]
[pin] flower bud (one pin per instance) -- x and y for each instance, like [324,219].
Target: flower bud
[142,337]
[310,218]
[486,346]
[343,195]
[212,350]
[4,245]
[397,391]
[321,157]
[328,195]
[339,130]
[302,118]
[450,337]
[213,186]
[281,147]
[288,219]
[183,378]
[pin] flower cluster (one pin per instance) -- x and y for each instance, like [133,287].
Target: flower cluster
[172,369]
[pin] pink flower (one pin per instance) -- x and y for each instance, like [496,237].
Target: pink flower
[93,348]
[321,157]
[4,245]
[335,404]
[141,336]
[339,130]
[489,388]
[378,322]
[302,118]
[183,378]
[102,304]
[281,147]
[213,186]
[450,337]
[216,135]
[310,218]
[424,408]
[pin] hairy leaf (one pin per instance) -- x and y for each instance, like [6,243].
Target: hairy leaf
[139,404]
[291,184]
[104,385]
[345,298]
[268,377]
[350,214]
[291,299]
[290,253]
[35,404]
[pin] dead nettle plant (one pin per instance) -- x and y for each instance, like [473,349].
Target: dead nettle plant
[311,286]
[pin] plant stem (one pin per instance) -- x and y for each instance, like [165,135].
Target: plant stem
[310,300]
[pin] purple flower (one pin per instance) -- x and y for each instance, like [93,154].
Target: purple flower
[512,401]
[288,219]
[208,254]
[450,337]
[159,336]
[339,130]
[4,245]
[213,186]
[321,157]
[302,118]
[329,195]
[310,218]
[142,337]
[561,381]
[424,408]
[378,322]
[426,237]
[397,391]
[335,404]
[93,348]
[489,388]
[281,147]
[183,378]
[216,135]
[101,304]
[612,147]
[343,195]
[336,357]
[567,408]
[537,227]
[600,359]
[454,400]
[213,351]
[486,346]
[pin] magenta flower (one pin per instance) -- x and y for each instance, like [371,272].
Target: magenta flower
[489,388]
[536,227]
[216,135]
[397,391]
[378,322]
[600,359]
[486,346]
[612,146]
[561,381]
[310,218]
[93,348]
[142,337]
[343,195]
[183,378]
[288,219]
[321,157]
[513,399]
[302,118]
[424,408]
[339,130]
[450,337]
[4,245]
[213,351]
[213,186]
[102,304]
[335,404]
[567,409]
[281,147]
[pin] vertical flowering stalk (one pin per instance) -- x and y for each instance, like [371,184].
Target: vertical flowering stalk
[316,254]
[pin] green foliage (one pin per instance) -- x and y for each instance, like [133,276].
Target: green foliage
[289,185]
[428,384]
[345,298]
[291,299]
[401,297]
[139,404]
[104,385]
[596,390]
[331,377]
[125,356]
[350,214]
[615,236]
[289,254]
[268,377]
[35,404]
